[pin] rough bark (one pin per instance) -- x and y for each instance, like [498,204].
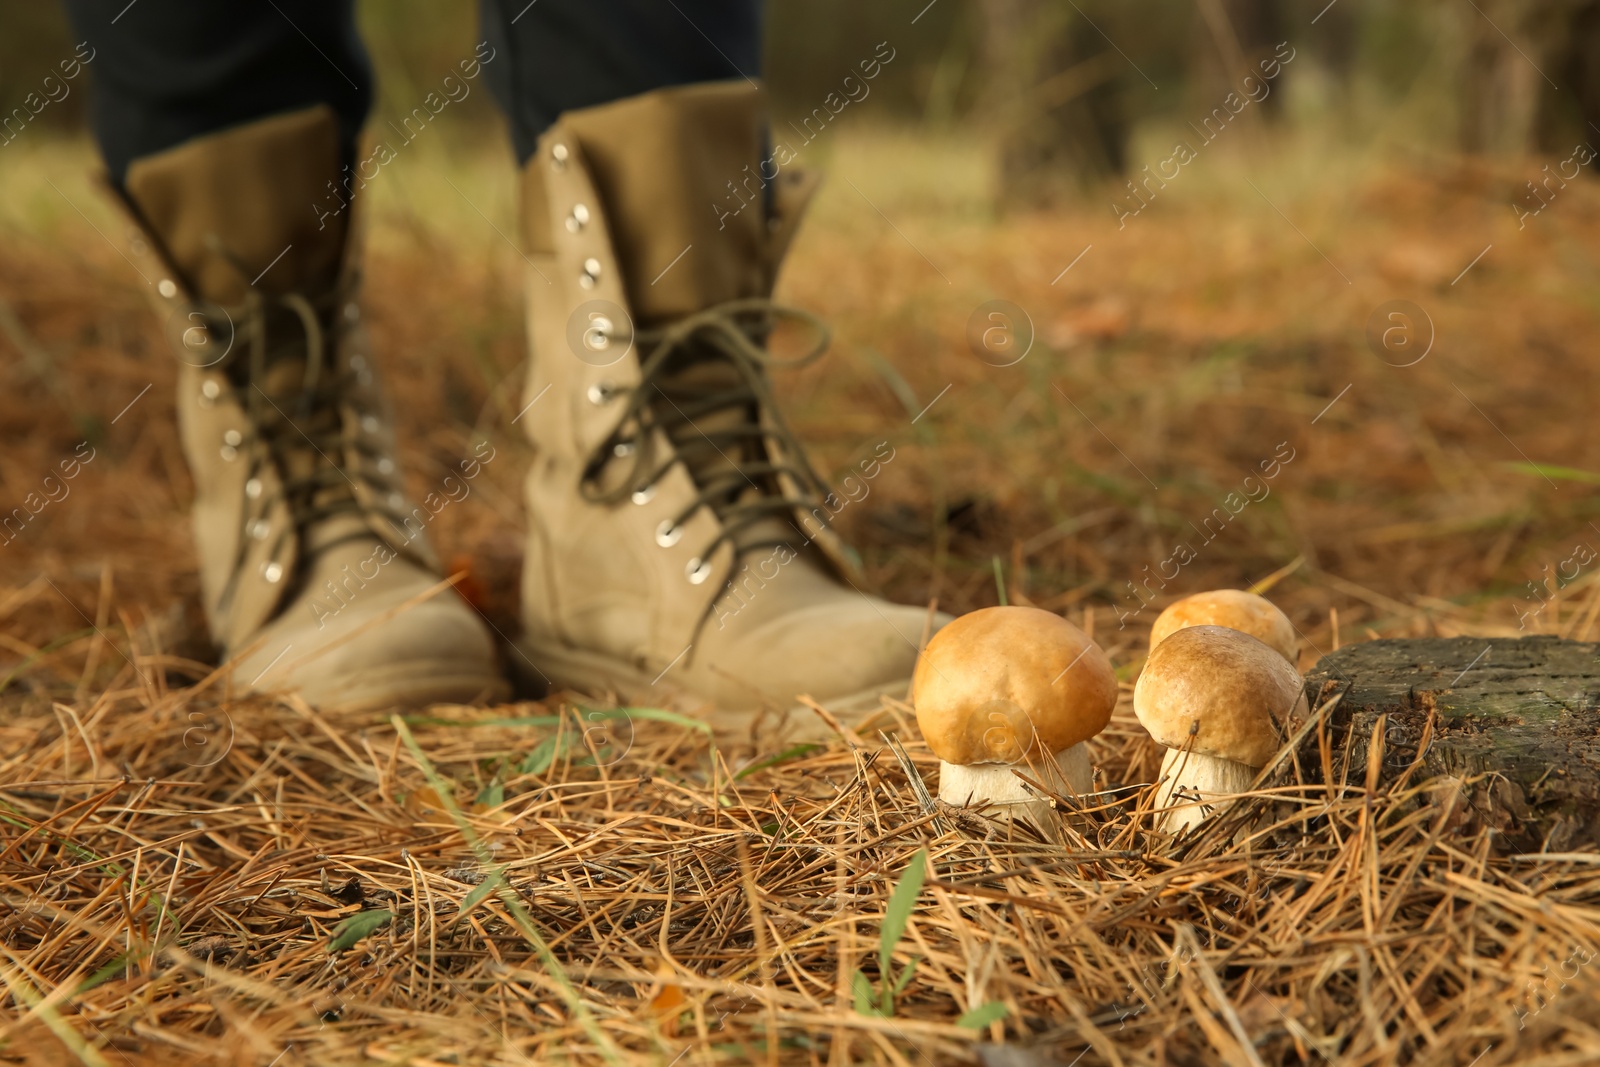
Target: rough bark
[1052,92]
[1518,719]
[1574,66]
[1530,78]
[1242,33]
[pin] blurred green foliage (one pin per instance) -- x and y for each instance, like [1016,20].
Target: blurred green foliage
[34,38]
[1159,59]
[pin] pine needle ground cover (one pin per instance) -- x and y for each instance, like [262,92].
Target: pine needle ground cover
[188,876]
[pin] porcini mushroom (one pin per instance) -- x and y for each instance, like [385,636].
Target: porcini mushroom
[1219,700]
[1012,688]
[1235,609]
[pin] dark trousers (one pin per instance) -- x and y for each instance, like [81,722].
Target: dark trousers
[169,70]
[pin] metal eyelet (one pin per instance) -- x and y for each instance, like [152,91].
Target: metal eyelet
[622,448]
[209,391]
[259,529]
[167,288]
[597,338]
[352,312]
[668,534]
[272,571]
[396,501]
[644,496]
[385,465]
[591,273]
[252,489]
[600,393]
[558,156]
[229,453]
[233,437]
[370,423]
[358,363]
[578,219]
[697,570]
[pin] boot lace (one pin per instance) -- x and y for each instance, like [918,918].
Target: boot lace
[299,432]
[744,490]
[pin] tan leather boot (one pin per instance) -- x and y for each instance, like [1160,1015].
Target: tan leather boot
[314,565]
[675,544]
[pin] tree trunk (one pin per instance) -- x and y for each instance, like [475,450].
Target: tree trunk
[1574,65]
[1530,79]
[1243,33]
[1517,718]
[1051,86]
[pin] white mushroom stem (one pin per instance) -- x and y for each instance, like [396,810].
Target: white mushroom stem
[1195,787]
[994,786]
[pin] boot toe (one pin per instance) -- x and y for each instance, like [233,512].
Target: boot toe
[377,652]
[841,652]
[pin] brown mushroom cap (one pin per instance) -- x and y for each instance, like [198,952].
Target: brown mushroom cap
[1232,689]
[999,685]
[1235,609]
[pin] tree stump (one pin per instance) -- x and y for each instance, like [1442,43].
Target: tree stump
[1519,718]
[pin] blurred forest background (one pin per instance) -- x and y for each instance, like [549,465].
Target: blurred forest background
[1065,89]
[1178,331]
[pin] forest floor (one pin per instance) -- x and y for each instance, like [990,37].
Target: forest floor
[672,901]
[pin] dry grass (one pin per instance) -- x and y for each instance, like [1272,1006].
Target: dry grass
[670,904]
[675,903]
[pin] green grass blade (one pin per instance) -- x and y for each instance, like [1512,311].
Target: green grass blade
[539,759]
[655,714]
[982,1015]
[493,794]
[861,988]
[1554,472]
[524,720]
[793,752]
[905,976]
[896,382]
[23,992]
[484,888]
[60,642]
[357,927]
[898,913]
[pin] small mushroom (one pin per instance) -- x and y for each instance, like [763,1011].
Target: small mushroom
[1012,687]
[1219,700]
[1235,609]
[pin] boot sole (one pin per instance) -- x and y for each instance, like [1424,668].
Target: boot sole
[418,686]
[593,672]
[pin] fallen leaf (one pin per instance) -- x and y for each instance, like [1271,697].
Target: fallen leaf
[470,588]
[669,1001]
[424,801]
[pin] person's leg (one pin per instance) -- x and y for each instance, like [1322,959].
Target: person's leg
[562,55]
[167,71]
[228,129]
[677,540]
